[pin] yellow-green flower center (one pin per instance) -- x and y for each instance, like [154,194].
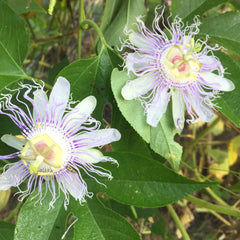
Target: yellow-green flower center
[44,155]
[182,64]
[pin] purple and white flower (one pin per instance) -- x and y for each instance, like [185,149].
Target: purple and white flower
[57,142]
[171,63]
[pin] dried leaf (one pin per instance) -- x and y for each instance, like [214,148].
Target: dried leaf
[233,147]
[218,128]
[4,196]
[186,219]
[221,166]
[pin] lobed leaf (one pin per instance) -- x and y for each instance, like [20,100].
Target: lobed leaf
[38,222]
[161,138]
[98,222]
[130,140]
[188,9]
[92,77]
[144,182]
[24,6]
[228,102]
[6,230]
[119,15]
[13,46]
[223,29]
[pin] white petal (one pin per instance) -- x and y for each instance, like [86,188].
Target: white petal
[75,186]
[137,62]
[138,87]
[202,109]
[207,60]
[217,82]
[138,40]
[87,105]
[91,156]
[98,137]
[59,98]
[5,183]
[158,107]
[80,113]
[13,141]
[178,108]
[13,177]
[40,110]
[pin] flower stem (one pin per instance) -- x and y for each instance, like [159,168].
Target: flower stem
[221,209]
[178,223]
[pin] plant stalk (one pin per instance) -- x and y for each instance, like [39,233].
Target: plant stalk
[221,209]
[96,28]
[201,135]
[81,18]
[178,222]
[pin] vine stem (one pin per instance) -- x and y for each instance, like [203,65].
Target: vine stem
[216,197]
[96,28]
[221,209]
[178,222]
[198,176]
[134,211]
[201,135]
[80,27]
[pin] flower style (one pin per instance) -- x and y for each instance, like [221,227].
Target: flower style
[176,66]
[57,142]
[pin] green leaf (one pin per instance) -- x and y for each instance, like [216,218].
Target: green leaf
[228,102]
[118,15]
[159,227]
[7,127]
[98,222]
[161,138]
[53,72]
[187,9]
[135,213]
[6,230]
[144,182]
[13,46]
[236,187]
[130,140]
[92,77]
[110,11]
[24,6]
[122,209]
[223,29]
[38,222]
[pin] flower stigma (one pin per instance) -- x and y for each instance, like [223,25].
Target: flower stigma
[42,155]
[181,62]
